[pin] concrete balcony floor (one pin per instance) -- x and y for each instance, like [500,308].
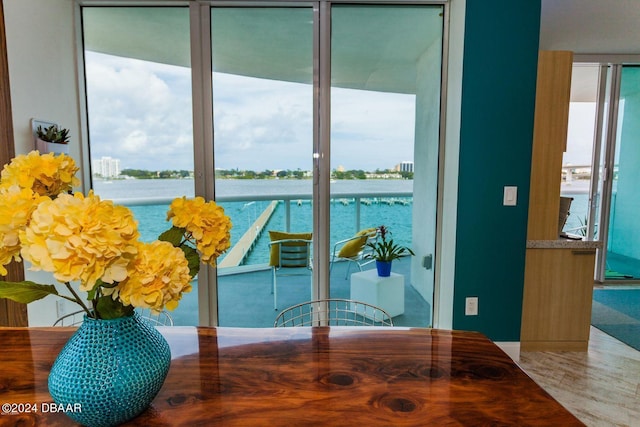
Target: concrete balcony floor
[245,299]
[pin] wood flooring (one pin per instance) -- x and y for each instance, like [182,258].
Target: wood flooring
[601,387]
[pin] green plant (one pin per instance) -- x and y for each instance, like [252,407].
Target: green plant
[582,230]
[53,134]
[386,250]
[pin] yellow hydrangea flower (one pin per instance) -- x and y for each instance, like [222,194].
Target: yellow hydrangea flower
[95,242]
[46,174]
[205,222]
[157,278]
[16,206]
[78,238]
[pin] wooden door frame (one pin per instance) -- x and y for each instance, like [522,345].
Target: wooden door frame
[11,313]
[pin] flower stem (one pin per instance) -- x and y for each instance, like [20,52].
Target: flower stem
[78,299]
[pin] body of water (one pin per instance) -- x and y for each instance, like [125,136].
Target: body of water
[398,217]
[152,218]
[579,210]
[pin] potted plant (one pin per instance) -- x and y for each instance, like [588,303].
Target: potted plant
[52,139]
[384,251]
[114,356]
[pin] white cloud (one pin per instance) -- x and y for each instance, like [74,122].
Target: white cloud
[375,128]
[140,112]
[365,125]
[135,142]
[582,116]
[261,124]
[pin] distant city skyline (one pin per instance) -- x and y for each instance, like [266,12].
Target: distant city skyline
[110,167]
[106,166]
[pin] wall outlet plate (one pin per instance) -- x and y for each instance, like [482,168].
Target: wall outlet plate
[471,306]
[510,196]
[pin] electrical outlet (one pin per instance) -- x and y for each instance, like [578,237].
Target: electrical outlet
[471,306]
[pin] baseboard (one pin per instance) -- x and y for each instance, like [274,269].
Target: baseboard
[512,348]
[555,345]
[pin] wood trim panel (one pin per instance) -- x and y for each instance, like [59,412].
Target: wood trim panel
[551,118]
[11,313]
[557,299]
[554,346]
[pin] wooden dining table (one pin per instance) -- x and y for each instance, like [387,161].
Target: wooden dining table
[330,376]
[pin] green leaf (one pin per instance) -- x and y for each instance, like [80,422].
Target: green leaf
[388,250]
[193,258]
[107,308]
[174,235]
[26,291]
[92,293]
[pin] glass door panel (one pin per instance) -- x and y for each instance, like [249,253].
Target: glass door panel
[385,116]
[577,166]
[623,238]
[263,140]
[138,85]
[601,192]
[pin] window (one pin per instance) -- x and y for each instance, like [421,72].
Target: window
[290,136]
[600,167]
[138,85]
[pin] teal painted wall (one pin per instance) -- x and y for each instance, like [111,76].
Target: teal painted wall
[498,101]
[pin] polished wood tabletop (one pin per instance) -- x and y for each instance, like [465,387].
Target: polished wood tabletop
[335,376]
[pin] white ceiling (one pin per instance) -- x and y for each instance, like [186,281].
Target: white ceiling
[380,55]
[591,26]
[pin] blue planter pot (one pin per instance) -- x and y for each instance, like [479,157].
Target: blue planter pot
[384,268]
[111,369]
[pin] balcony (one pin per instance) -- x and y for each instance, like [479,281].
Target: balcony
[244,284]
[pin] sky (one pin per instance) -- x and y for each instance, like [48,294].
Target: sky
[140,113]
[580,133]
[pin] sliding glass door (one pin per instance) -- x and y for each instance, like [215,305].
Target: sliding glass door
[138,87]
[262,60]
[385,112]
[623,237]
[603,126]
[304,121]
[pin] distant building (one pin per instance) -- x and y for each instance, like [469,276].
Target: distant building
[106,167]
[404,167]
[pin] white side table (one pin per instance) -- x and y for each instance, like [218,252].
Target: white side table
[384,292]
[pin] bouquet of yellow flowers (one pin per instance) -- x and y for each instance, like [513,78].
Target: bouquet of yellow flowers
[96,243]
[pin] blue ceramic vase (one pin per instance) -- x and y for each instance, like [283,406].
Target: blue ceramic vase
[384,268]
[110,369]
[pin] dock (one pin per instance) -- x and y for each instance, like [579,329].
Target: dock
[243,247]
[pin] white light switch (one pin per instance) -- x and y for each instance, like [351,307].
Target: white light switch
[510,196]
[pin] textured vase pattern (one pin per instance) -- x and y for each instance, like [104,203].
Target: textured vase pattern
[384,268]
[112,368]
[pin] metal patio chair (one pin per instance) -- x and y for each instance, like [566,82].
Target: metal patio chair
[354,250]
[155,319]
[333,312]
[290,256]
